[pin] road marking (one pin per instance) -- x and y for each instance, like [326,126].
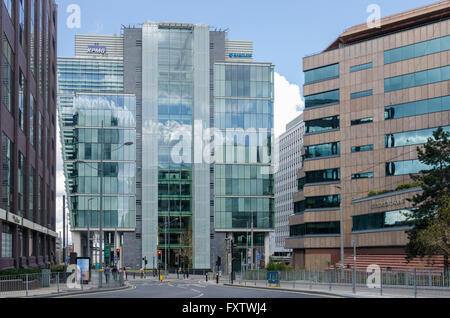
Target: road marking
[287,291]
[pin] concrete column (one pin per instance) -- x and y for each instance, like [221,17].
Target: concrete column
[76,238]
[266,248]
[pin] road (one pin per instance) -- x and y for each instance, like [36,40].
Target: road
[195,289]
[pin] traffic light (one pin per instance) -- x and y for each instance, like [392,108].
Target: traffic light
[177,259]
[118,253]
[159,256]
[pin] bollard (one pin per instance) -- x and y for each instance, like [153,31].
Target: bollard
[206,275]
[415,283]
[27,285]
[381,282]
[57,282]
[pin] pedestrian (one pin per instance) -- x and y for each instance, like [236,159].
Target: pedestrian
[114,272]
[125,272]
[107,272]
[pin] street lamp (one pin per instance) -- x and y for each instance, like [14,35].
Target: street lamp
[341,218]
[89,229]
[166,224]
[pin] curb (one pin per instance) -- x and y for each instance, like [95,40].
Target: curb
[56,295]
[293,290]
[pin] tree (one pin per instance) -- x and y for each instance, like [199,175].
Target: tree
[430,215]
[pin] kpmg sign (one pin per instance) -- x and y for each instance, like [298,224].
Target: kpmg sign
[96,49]
[241,55]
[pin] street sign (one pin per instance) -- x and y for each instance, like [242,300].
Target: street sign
[259,257]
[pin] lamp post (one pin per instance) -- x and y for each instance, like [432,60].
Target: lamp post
[89,229]
[166,224]
[341,219]
[354,266]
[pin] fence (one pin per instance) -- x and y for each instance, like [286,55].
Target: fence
[411,281]
[46,283]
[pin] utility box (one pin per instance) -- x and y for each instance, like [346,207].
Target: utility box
[45,278]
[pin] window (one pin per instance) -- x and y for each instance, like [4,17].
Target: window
[322,124]
[361,94]
[21,188]
[32,36]
[7,74]
[361,121]
[366,175]
[319,228]
[22,32]
[328,175]
[417,108]
[405,167]
[32,120]
[31,195]
[324,150]
[414,137]
[22,92]
[7,173]
[7,241]
[9,4]
[319,202]
[322,74]
[417,79]
[362,148]
[322,99]
[417,50]
[360,67]
[379,221]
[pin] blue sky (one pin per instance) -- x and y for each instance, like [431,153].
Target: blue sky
[282,31]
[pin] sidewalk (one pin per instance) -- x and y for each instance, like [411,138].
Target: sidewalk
[339,291]
[56,288]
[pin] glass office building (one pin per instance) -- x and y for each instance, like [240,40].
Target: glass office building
[90,88]
[244,184]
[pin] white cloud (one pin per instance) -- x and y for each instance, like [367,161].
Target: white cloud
[288,103]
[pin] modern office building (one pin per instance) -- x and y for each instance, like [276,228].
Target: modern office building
[98,123]
[372,97]
[28,133]
[243,170]
[290,145]
[187,79]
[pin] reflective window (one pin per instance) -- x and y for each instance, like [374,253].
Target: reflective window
[365,175]
[7,74]
[322,74]
[327,175]
[242,180]
[324,150]
[322,124]
[321,99]
[379,221]
[31,195]
[362,121]
[416,108]
[360,67]
[417,50]
[319,202]
[22,92]
[21,186]
[417,79]
[362,148]
[319,228]
[7,241]
[7,173]
[9,4]
[414,137]
[22,31]
[361,94]
[405,167]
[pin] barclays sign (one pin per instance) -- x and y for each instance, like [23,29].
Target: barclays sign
[95,49]
[240,55]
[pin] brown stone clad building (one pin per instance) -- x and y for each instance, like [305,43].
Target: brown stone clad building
[371,98]
[28,133]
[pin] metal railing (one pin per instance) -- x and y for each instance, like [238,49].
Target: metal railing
[47,283]
[412,280]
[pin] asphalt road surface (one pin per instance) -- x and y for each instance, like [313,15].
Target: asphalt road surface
[195,289]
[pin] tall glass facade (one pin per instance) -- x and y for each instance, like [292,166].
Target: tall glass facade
[83,137]
[244,183]
[175,103]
